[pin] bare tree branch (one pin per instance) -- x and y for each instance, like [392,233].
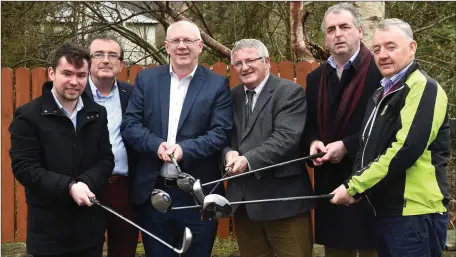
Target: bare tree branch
[208,40]
[435,23]
[200,15]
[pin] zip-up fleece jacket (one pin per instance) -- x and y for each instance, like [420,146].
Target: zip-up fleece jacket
[405,149]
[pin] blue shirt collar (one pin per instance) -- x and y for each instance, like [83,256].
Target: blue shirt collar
[347,65]
[385,82]
[96,92]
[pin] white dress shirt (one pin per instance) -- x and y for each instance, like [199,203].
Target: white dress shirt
[177,92]
[257,91]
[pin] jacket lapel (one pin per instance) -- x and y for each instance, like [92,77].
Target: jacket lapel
[165,81]
[88,90]
[193,90]
[124,96]
[263,98]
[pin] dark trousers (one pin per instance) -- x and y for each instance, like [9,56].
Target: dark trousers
[122,237]
[412,236]
[170,226]
[90,252]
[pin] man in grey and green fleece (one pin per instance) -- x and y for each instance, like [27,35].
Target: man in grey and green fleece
[401,165]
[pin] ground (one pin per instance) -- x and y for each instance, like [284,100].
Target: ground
[222,248]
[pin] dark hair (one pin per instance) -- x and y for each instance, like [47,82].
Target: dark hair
[73,53]
[106,35]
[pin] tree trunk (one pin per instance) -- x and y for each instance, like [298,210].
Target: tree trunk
[298,36]
[372,13]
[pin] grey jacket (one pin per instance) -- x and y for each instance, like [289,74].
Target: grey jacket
[272,135]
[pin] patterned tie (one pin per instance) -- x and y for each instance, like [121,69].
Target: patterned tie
[249,105]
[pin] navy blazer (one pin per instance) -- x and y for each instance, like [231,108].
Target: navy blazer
[204,125]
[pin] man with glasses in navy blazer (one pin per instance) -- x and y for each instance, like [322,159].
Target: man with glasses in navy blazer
[185,109]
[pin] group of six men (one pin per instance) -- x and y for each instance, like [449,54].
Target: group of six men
[380,120]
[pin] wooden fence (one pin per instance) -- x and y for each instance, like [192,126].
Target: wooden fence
[22,85]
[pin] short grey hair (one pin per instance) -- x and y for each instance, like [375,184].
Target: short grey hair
[357,18]
[185,22]
[250,43]
[106,36]
[402,25]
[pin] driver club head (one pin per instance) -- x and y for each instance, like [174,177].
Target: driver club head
[186,240]
[160,200]
[185,182]
[215,207]
[198,192]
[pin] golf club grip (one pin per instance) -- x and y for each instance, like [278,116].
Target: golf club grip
[175,162]
[313,156]
[95,201]
[310,197]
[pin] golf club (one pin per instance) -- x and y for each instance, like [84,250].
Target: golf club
[160,200]
[313,156]
[328,196]
[188,184]
[215,207]
[186,241]
[184,181]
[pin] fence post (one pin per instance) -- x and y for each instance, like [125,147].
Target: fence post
[7,176]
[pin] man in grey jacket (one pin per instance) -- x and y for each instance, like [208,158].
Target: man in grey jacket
[269,116]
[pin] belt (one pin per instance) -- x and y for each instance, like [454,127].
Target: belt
[169,182]
[113,179]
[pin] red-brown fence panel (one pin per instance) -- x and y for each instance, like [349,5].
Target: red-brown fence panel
[7,177]
[286,70]
[133,71]
[38,79]
[22,97]
[275,68]
[123,75]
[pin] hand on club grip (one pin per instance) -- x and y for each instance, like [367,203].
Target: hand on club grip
[317,147]
[81,193]
[335,152]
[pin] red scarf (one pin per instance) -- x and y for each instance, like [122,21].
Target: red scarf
[348,103]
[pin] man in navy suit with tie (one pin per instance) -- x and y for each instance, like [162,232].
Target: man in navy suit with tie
[185,109]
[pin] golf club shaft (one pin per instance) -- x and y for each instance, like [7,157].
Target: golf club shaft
[218,183]
[329,196]
[93,200]
[313,156]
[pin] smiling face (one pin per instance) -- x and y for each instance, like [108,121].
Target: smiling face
[392,50]
[183,44]
[109,66]
[251,69]
[68,81]
[342,37]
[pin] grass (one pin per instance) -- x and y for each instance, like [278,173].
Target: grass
[222,248]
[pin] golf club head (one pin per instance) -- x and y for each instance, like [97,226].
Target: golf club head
[186,240]
[215,207]
[185,182]
[198,192]
[160,200]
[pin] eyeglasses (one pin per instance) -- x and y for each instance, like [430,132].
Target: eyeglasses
[101,56]
[247,62]
[187,42]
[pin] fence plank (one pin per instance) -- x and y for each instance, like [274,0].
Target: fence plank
[275,68]
[302,69]
[22,97]
[286,70]
[38,79]
[133,70]
[7,177]
[234,80]
[152,65]
[123,75]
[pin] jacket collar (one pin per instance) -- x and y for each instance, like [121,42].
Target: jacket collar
[49,106]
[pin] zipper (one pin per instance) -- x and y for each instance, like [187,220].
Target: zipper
[373,116]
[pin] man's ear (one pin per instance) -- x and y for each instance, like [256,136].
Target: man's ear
[51,73]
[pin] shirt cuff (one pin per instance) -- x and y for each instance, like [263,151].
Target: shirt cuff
[248,164]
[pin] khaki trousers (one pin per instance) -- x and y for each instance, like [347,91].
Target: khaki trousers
[333,252]
[288,237]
